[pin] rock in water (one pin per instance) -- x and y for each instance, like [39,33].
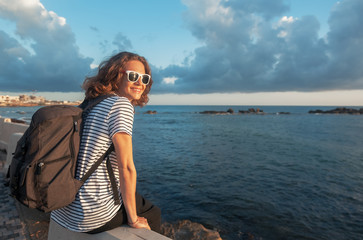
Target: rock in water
[150,112]
[187,230]
[230,110]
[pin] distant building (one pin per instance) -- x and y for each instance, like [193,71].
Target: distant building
[31,99]
[8,99]
[26,100]
[23,98]
[37,99]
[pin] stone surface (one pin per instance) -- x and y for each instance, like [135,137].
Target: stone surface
[187,230]
[10,225]
[150,112]
[252,111]
[340,110]
[229,111]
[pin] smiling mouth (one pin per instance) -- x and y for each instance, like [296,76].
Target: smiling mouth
[136,90]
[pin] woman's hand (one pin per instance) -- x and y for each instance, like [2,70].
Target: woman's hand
[141,222]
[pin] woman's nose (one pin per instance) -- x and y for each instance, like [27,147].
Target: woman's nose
[138,82]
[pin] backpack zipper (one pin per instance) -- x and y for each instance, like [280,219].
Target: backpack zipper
[23,176]
[71,143]
[75,126]
[39,165]
[38,169]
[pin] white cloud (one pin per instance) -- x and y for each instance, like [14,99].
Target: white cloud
[56,20]
[257,53]
[122,42]
[282,34]
[169,80]
[286,19]
[211,10]
[284,25]
[93,66]
[43,55]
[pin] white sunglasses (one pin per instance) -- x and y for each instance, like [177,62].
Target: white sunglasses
[133,76]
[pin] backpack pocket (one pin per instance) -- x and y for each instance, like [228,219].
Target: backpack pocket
[56,185]
[18,172]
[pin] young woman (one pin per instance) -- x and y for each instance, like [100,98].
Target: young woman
[127,77]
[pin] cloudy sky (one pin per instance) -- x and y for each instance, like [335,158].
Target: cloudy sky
[303,52]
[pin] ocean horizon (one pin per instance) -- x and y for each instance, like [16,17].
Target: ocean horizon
[25,113]
[273,176]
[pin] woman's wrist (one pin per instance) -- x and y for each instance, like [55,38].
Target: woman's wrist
[133,223]
[140,222]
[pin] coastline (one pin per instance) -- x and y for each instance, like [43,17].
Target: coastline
[48,103]
[22,223]
[30,101]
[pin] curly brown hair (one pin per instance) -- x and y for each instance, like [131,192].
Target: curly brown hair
[106,80]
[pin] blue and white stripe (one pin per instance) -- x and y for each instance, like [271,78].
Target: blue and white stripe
[94,204]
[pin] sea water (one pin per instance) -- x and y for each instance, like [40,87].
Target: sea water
[273,176]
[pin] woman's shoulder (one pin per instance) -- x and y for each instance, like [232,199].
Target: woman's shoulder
[120,102]
[116,99]
[113,101]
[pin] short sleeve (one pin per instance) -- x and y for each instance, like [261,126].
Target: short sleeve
[121,117]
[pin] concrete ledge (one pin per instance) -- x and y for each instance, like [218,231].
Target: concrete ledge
[38,225]
[13,140]
[10,133]
[57,232]
[7,128]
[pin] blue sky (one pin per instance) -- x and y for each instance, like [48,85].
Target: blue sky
[244,52]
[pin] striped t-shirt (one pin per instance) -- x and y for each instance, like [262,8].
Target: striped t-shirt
[94,204]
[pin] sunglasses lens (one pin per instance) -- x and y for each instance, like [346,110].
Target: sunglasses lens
[133,76]
[145,79]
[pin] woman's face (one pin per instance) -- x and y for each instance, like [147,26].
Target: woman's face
[132,90]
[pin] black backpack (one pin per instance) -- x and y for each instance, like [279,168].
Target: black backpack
[42,171]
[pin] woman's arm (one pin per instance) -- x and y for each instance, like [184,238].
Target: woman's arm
[127,172]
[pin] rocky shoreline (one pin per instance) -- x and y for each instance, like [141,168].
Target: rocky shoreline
[340,110]
[229,111]
[150,112]
[187,230]
[48,103]
[256,111]
[35,224]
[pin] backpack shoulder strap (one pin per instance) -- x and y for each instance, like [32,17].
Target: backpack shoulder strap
[109,170]
[88,104]
[96,164]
